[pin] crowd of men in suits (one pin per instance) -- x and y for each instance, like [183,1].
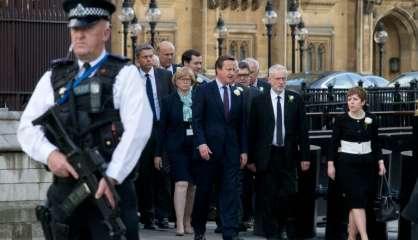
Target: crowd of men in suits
[244,128]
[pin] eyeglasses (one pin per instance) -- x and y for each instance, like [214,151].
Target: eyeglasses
[185,80]
[243,75]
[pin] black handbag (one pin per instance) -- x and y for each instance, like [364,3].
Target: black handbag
[385,209]
[410,212]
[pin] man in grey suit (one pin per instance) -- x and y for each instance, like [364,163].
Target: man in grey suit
[152,183]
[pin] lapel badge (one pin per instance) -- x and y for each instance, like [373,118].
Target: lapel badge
[62,91]
[237,92]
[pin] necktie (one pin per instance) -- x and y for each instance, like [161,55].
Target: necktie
[226,102]
[86,66]
[150,95]
[279,132]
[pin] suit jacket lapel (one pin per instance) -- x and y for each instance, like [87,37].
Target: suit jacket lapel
[217,96]
[286,108]
[270,112]
[157,84]
[234,100]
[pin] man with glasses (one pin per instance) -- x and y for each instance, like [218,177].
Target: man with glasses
[247,177]
[259,83]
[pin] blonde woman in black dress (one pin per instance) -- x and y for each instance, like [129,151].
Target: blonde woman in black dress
[354,157]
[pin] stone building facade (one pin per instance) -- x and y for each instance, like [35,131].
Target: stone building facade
[340,32]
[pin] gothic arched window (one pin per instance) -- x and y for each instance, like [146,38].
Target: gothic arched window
[309,58]
[320,58]
[243,51]
[233,48]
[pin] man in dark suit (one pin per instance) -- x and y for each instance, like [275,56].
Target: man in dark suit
[220,136]
[193,59]
[260,83]
[278,141]
[247,177]
[153,186]
[166,52]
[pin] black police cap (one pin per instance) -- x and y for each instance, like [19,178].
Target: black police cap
[82,13]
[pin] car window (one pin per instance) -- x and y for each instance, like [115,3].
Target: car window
[404,81]
[343,81]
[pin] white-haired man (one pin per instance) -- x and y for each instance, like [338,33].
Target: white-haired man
[278,142]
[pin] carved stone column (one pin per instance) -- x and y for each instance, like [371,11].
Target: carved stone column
[364,39]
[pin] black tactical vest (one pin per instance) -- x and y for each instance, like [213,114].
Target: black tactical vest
[89,127]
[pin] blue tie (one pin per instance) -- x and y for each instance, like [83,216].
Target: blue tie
[150,96]
[279,133]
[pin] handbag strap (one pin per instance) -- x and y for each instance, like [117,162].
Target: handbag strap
[384,180]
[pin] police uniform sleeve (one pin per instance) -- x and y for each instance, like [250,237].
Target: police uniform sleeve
[136,116]
[32,138]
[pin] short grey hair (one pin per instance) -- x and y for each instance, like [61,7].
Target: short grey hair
[142,47]
[168,43]
[253,61]
[277,68]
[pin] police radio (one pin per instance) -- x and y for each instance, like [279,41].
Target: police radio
[95,96]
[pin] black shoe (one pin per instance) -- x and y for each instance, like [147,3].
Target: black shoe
[163,223]
[233,238]
[199,236]
[218,229]
[149,226]
[237,238]
[242,227]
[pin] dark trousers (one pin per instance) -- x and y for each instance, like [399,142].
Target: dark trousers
[226,178]
[247,195]
[277,187]
[87,222]
[152,186]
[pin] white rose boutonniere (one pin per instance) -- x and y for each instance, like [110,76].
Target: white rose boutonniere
[240,89]
[291,98]
[261,89]
[237,92]
[367,122]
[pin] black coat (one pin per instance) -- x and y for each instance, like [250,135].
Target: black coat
[261,130]
[163,82]
[172,132]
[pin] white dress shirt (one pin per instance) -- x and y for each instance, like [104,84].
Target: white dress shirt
[274,96]
[221,92]
[154,89]
[129,97]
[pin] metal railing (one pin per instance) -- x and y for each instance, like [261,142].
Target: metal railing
[32,33]
[394,107]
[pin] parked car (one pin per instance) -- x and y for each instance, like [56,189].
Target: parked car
[294,81]
[340,80]
[377,80]
[404,79]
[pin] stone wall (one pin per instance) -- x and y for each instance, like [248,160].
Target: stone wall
[23,184]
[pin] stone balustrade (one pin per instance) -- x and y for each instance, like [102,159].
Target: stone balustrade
[23,184]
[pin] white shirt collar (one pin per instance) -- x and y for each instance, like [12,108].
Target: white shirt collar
[274,95]
[150,72]
[94,62]
[220,85]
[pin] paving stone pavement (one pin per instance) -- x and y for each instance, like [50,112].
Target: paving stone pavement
[169,234]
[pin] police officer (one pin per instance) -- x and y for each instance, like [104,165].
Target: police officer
[118,121]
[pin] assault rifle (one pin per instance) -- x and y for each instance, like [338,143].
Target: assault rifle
[91,167]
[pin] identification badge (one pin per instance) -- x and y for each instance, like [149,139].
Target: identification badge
[189,132]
